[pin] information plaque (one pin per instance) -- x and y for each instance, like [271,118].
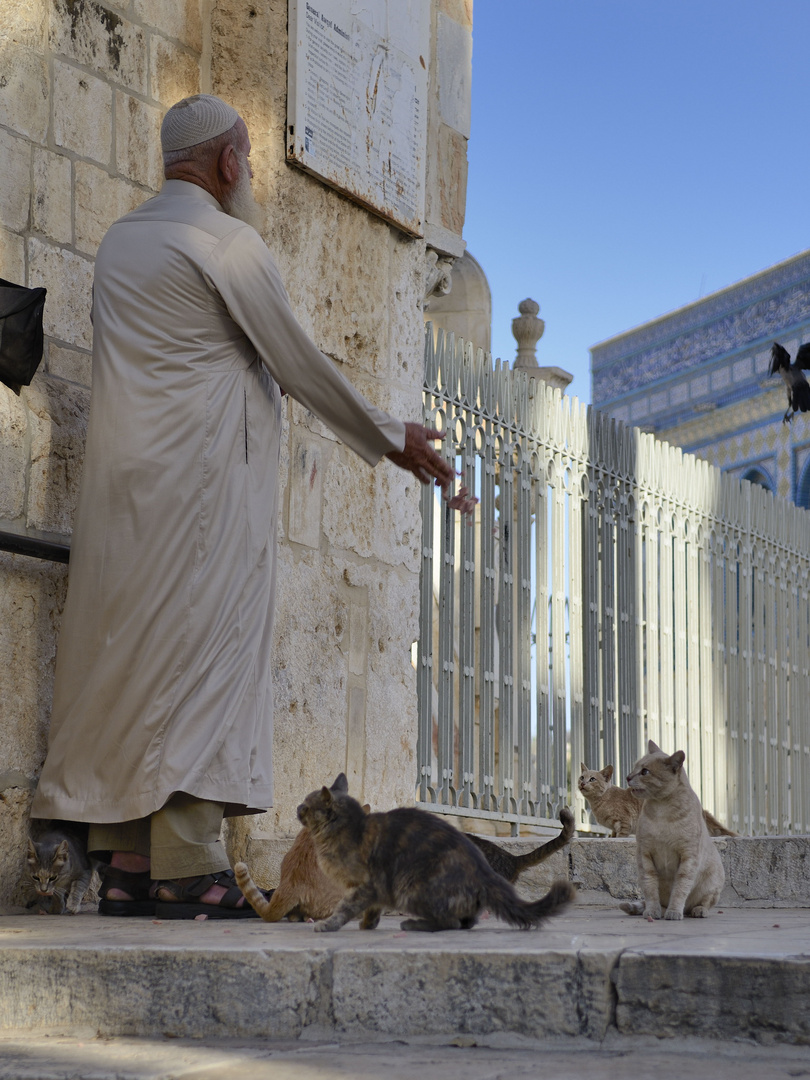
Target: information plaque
[357,100]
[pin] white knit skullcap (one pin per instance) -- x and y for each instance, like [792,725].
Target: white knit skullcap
[195,120]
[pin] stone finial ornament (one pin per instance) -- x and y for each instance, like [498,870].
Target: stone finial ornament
[438,275]
[527,329]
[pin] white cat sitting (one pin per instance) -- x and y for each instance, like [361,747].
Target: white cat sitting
[679,867]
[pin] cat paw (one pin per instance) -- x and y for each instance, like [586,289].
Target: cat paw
[632,907]
[698,913]
[652,911]
[673,916]
[325,926]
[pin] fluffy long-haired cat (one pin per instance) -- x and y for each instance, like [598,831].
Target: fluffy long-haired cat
[618,808]
[679,867]
[305,892]
[511,865]
[58,872]
[410,861]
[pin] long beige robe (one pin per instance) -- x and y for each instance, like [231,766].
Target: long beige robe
[163,674]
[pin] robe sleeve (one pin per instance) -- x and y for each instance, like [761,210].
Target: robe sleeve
[244,274]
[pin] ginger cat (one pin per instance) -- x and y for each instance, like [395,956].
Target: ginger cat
[679,867]
[618,808]
[407,860]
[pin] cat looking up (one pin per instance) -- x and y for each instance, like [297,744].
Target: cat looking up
[617,808]
[679,867]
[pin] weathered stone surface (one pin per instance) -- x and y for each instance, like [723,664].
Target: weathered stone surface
[714,996]
[69,281]
[604,869]
[137,141]
[15,171]
[12,256]
[58,412]
[174,71]
[178,19]
[24,23]
[15,804]
[13,431]
[24,102]
[95,36]
[70,364]
[82,113]
[762,870]
[52,205]
[100,200]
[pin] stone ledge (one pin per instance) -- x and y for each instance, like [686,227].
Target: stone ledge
[587,973]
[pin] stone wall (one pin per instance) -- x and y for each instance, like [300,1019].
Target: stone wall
[82,92]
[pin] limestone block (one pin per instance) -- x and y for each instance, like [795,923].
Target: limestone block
[12,256]
[25,23]
[69,281]
[82,113]
[347,314]
[13,455]
[24,104]
[309,458]
[58,413]
[406,348]
[718,997]
[100,200]
[137,139]
[174,71]
[52,204]
[766,870]
[604,869]
[454,72]
[460,10]
[373,513]
[178,19]
[452,180]
[70,364]
[15,804]
[429,992]
[15,181]
[31,603]
[93,35]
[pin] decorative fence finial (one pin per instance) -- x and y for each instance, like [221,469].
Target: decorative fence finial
[527,330]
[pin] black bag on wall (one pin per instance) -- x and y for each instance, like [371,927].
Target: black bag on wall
[20,333]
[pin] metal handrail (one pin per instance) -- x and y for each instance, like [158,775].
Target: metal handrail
[34,547]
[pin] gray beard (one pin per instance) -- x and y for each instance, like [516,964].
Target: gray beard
[241,202]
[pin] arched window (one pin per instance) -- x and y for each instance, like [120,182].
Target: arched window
[757,475]
[803,487]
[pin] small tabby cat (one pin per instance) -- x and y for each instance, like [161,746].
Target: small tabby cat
[679,867]
[59,873]
[409,861]
[510,865]
[618,808]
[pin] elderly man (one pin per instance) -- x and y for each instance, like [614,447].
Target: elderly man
[162,712]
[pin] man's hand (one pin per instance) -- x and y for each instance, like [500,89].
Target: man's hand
[419,457]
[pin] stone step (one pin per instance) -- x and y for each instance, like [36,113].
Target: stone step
[763,872]
[591,972]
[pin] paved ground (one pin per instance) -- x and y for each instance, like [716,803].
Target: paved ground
[507,1058]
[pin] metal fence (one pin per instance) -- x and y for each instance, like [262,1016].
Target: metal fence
[611,589]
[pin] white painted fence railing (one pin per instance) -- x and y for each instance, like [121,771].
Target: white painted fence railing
[611,589]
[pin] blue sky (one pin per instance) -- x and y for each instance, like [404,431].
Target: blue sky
[630,156]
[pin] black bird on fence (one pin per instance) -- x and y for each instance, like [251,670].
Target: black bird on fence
[798,389]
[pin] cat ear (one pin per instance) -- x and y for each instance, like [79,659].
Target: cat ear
[326,795]
[61,854]
[676,761]
[341,783]
[607,772]
[366,808]
[32,851]
[583,767]
[652,748]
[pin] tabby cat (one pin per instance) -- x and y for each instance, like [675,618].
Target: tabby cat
[59,872]
[407,860]
[617,808]
[510,865]
[679,867]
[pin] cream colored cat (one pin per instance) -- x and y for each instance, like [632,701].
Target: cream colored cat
[618,808]
[679,867]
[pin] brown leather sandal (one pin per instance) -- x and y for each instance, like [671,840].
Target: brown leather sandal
[135,885]
[187,905]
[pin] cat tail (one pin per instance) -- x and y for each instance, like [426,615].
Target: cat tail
[714,826]
[254,896]
[504,902]
[541,853]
